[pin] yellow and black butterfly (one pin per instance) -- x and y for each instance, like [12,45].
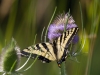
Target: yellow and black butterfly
[55,51]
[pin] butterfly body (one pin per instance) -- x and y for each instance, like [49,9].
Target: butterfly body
[55,51]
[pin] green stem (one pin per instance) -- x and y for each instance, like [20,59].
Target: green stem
[63,72]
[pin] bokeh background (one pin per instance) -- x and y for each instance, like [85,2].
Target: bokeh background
[22,19]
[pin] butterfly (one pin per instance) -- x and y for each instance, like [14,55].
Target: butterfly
[55,51]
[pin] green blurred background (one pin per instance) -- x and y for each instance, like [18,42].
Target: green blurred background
[22,19]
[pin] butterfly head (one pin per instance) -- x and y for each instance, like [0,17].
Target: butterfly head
[59,64]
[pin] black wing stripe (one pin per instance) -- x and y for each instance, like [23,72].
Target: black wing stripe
[55,48]
[44,59]
[45,46]
[61,39]
[26,54]
[38,47]
[64,37]
[72,36]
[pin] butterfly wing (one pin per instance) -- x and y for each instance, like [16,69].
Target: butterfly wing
[43,50]
[63,42]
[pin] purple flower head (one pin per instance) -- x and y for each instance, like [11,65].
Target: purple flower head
[57,27]
[75,39]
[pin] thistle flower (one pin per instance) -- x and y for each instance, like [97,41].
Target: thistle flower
[57,27]
[9,58]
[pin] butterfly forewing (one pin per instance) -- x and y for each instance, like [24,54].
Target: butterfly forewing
[42,49]
[64,40]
